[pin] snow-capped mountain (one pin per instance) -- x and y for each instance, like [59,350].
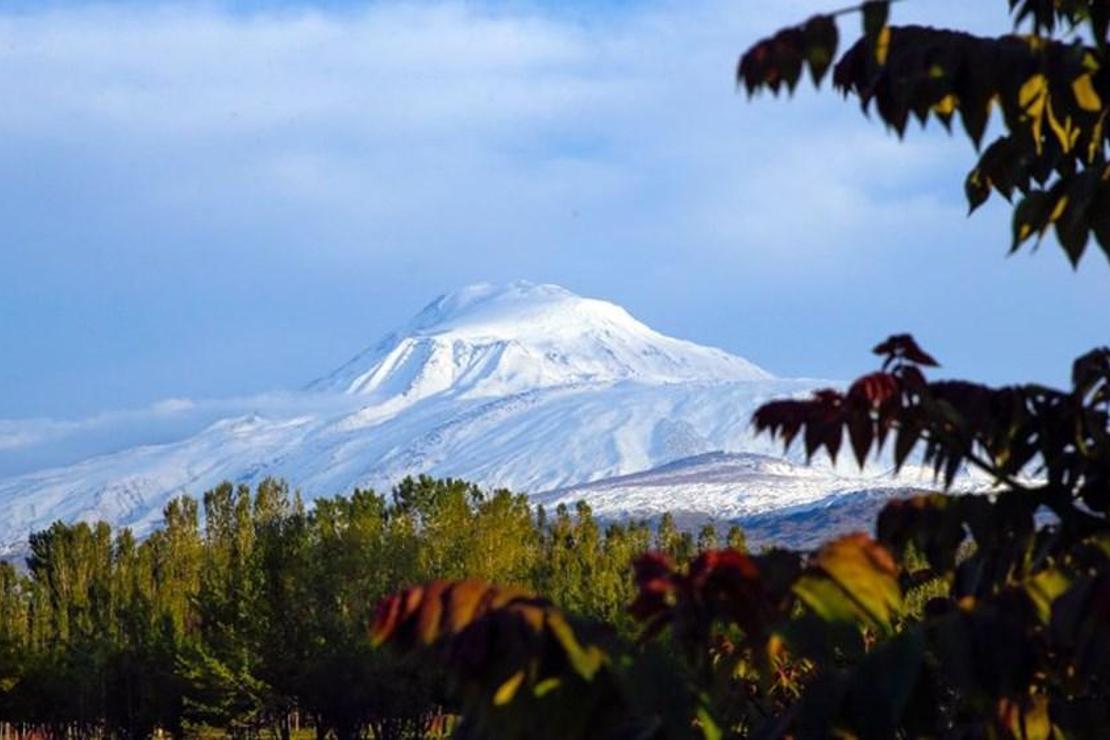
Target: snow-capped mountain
[489,341]
[526,386]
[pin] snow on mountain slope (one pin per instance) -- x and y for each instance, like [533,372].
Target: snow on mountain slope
[532,442]
[488,341]
[526,386]
[732,486]
[131,487]
[775,500]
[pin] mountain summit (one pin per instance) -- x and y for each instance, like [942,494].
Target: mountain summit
[525,386]
[486,340]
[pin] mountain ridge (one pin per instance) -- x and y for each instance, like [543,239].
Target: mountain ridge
[524,386]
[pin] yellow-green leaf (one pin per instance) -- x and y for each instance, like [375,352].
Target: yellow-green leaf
[708,726]
[1085,94]
[1033,97]
[546,686]
[852,578]
[585,660]
[946,105]
[1066,132]
[506,691]
[882,46]
[1043,589]
[1028,719]
[1058,209]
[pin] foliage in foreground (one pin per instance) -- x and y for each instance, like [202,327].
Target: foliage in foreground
[1051,87]
[1014,640]
[965,616]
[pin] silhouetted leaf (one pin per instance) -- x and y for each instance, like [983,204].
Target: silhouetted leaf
[904,347]
[883,684]
[1073,224]
[861,434]
[875,15]
[1031,217]
[821,40]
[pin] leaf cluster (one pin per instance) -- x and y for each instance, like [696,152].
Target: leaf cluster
[1008,432]
[1052,95]
[503,648]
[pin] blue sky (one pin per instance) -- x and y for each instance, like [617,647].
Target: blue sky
[208,201]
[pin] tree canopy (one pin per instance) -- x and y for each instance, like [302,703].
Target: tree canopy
[249,613]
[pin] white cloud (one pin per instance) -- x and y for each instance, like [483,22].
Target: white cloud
[398,111]
[212,202]
[173,406]
[33,444]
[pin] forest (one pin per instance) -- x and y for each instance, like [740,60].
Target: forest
[257,621]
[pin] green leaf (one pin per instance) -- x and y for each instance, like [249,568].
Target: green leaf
[1044,588]
[852,579]
[1028,719]
[585,660]
[507,690]
[707,725]
[827,599]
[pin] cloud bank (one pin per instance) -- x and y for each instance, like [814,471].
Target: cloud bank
[27,445]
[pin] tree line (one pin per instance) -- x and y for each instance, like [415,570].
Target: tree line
[249,612]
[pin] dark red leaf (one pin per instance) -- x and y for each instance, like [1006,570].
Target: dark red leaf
[904,347]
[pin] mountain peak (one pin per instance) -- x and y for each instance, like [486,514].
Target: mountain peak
[500,340]
[514,310]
